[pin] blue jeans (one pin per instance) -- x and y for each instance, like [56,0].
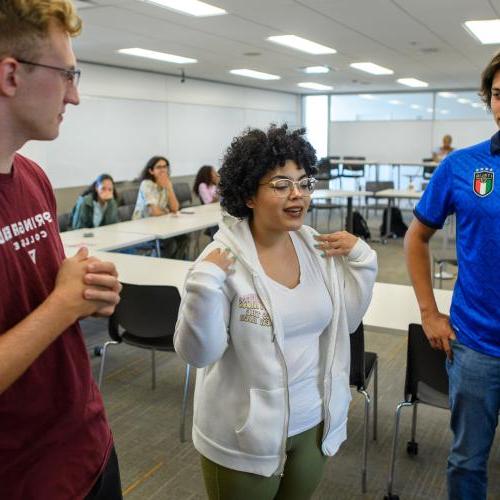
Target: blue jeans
[475,403]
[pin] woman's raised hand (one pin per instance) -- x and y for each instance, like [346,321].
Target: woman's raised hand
[222,258]
[338,243]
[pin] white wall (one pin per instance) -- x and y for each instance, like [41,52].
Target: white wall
[127,116]
[400,141]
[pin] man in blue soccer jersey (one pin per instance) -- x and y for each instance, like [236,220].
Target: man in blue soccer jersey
[464,184]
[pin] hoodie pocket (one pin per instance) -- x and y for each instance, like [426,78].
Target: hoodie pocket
[262,432]
[339,402]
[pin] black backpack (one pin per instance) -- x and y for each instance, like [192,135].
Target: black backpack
[398,227]
[359,226]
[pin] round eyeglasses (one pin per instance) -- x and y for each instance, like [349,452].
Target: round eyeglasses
[283,188]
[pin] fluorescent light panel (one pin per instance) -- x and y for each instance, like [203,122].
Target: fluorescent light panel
[395,102]
[463,101]
[158,56]
[314,86]
[299,43]
[368,97]
[487,32]
[447,95]
[189,7]
[412,82]
[316,69]
[250,73]
[372,68]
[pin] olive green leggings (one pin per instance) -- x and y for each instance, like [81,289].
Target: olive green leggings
[302,474]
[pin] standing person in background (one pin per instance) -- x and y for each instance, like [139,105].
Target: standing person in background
[444,150]
[205,185]
[266,316]
[55,441]
[157,197]
[97,205]
[464,185]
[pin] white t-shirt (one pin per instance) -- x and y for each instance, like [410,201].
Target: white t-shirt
[305,312]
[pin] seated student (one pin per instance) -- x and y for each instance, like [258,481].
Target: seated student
[440,153]
[205,185]
[97,205]
[156,197]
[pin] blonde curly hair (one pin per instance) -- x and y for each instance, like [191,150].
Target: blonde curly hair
[25,23]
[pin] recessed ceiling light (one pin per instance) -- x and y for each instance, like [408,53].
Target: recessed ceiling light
[444,112]
[368,97]
[415,106]
[250,73]
[477,105]
[372,68]
[412,82]
[463,101]
[316,69]
[429,110]
[314,86]
[299,43]
[447,95]
[487,32]
[158,56]
[189,7]
[395,101]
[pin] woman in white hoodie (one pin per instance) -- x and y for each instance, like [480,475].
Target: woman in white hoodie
[266,316]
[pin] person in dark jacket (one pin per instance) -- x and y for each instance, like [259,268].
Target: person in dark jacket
[97,205]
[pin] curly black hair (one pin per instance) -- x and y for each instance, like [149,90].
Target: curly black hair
[252,155]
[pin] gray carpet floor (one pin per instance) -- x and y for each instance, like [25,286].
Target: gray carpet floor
[156,465]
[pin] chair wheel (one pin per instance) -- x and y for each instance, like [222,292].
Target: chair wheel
[412,448]
[391,497]
[98,351]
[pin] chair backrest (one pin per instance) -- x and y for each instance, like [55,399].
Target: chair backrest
[426,376]
[146,311]
[183,193]
[328,168]
[378,185]
[350,170]
[428,169]
[125,212]
[128,196]
[357,375]
[64,222]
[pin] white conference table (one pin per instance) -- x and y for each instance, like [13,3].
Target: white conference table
[134,232]
[392,309]
[327,194]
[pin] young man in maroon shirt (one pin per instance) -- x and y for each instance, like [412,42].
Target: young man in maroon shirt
[55,442]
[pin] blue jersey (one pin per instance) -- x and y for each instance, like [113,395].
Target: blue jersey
[464,184]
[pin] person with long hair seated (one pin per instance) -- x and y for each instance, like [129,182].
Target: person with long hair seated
[205,185]
[156,197]
[265,317]
[97,205]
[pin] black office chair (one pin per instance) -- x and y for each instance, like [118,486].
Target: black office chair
[328,168]
[363,366]
[374,186]
[145,318]
[428,169]
[125,212]
[64,222]
[128,196]
[352,171]
[426,383]
[183,194]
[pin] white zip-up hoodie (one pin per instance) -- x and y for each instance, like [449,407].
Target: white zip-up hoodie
[228,328]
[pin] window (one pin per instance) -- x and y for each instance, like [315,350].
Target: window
[316,122]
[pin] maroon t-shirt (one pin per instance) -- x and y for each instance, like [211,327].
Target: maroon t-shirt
[54,436]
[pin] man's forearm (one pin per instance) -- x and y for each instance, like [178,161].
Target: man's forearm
[419,267]
[23,343]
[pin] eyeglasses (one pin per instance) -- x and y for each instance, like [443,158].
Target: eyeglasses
[72,76]
[283,188]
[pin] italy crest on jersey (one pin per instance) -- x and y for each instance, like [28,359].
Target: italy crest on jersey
[483,181]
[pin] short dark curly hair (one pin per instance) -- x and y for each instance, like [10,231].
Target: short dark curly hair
[252,155]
